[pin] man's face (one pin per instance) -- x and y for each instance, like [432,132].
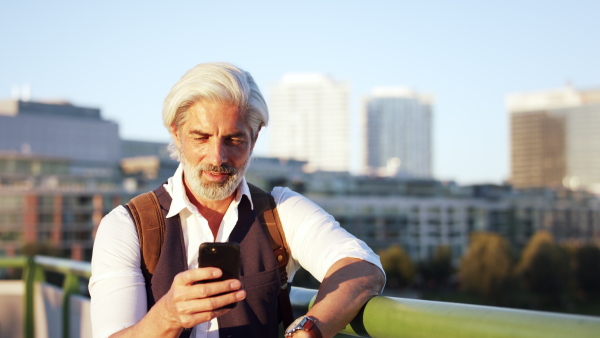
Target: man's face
[215,145]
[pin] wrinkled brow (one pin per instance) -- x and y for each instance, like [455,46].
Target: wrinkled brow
[237,134]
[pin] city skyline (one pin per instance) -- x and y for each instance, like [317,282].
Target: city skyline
[124,57]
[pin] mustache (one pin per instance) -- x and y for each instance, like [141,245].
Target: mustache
[224,168]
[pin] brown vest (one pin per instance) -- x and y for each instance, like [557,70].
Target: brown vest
[257,315]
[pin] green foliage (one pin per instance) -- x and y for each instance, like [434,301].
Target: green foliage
[304,279]
[538,239]
[548,270]
[486,266]
[586,269]
[548,277]
[544,269]
[398,267]
[42,248]
[439,268]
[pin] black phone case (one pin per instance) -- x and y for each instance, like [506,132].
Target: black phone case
[225,256]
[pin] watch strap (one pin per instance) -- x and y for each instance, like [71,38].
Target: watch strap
[307,324]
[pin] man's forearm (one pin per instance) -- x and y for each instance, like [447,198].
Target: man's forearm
[347,286]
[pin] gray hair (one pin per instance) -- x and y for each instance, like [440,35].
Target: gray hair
[214,82]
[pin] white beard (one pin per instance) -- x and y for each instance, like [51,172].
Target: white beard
[214,191]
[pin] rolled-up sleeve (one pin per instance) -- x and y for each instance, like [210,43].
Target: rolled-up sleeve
[117,287]
[315,238]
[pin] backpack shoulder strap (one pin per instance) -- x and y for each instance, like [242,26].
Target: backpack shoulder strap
[266,210]
[150,224]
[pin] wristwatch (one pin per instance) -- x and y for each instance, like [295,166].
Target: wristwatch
[304,323]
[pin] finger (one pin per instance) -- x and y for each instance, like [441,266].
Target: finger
[215,303]
[201,317]
[210,289]
[182,303]
[189,277]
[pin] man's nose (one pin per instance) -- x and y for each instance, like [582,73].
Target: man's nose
[217,153]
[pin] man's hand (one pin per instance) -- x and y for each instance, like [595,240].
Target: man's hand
[187,304]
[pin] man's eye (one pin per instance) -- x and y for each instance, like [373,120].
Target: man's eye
[236,141]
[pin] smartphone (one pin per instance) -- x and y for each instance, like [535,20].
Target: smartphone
[225,256]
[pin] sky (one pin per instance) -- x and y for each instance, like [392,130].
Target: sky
[124,56]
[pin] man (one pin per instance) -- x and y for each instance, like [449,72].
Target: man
[214,115]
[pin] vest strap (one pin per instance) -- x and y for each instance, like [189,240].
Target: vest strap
[150,224]
[266,209]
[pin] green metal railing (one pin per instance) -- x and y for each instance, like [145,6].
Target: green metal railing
[381,317]
[400,317]
[34,269]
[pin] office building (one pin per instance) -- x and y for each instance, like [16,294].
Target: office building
[309,118]
[61,170]
[42,203]
[447,216]
[398,130]
[555,139]
[59,129]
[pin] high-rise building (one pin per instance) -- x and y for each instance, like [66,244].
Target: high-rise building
[555,139]
[310,117]
[398,129]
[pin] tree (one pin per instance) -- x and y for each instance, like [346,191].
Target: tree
[537,240]
[486,266]
[438,269]
[42,248]
[304,279]
[398,267]
[587,269]
[544,268]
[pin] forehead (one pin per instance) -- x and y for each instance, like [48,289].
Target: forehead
[215,115]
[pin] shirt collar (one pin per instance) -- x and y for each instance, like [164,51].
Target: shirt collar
[180,201]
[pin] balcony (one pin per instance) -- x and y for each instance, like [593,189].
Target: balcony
[32,307]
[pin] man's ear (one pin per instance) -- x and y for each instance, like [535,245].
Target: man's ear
[175,135]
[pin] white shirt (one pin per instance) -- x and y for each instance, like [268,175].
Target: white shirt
[117,287]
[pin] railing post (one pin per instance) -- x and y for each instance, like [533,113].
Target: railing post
[70,287]
[31,274]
